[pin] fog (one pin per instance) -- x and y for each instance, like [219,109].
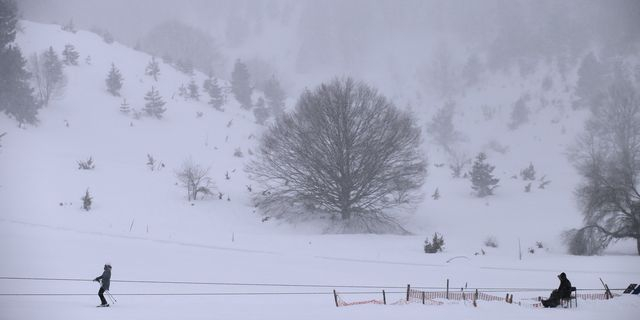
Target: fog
[371,39]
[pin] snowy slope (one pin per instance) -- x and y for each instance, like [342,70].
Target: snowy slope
[142,223]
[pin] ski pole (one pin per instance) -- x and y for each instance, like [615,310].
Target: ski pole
[111,296]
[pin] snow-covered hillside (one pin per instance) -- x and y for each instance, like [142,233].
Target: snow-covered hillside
[143,224]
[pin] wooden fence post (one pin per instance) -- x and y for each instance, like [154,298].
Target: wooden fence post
[408,288]
[384,297]
[335,297]
[447,289]
[475,298]
[422,297]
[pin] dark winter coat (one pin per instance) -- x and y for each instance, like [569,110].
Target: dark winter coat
[105,278]
[564,290]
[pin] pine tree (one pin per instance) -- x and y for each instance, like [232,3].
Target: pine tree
[16,95]
[520,112]
[124,107]
[528,173]
[216,98]
[155,105]
[153,69]
[275,96]
[240,84]
[87,200]
[261,112]
[70,55]
[193,91]
[114,81]
[441,128]
[482,180]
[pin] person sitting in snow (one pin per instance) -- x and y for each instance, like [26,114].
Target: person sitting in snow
[563,292]
[105,280]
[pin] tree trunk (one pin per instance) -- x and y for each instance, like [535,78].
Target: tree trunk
[638,245]
[345,213]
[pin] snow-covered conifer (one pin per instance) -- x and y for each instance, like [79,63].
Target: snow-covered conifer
[482,179]
[240,84]
[216,98]
[154,105]
[193,92]
[70,55]
[114,81]
[153,69]
[275,96]
[260,111]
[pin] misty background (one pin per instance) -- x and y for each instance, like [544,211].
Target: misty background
[412,50]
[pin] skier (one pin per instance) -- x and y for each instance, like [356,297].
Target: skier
[563,291]
[105,280]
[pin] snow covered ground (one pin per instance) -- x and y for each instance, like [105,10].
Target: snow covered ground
[143,225]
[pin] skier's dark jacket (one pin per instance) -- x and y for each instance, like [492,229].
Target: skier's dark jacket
[105,277]
[564,290]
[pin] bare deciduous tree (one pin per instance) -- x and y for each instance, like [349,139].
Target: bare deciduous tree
[195,179]
[457,162]
[48,75]
[346,151]
[607,156]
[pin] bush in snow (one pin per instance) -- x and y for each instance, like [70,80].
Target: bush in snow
[86,165]
[482,180]
[87,200]
[195,179]
[543,182]
[528,173]
[153,164]
[238,153]
[457,162]
[491,242]
[435,245]
[436,194]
